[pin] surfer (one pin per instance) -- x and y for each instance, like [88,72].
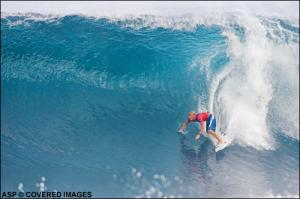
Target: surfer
[210,124]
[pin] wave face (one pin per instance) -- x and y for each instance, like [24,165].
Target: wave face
[99,101]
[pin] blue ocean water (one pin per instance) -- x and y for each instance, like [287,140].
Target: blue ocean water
[94,104]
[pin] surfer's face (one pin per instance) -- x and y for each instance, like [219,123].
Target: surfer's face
[192,116]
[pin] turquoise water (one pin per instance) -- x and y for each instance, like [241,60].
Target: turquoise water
[94,104]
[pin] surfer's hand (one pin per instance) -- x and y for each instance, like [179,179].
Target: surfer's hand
[197,136]
[180,131]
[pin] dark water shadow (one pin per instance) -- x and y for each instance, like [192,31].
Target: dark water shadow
[195,158]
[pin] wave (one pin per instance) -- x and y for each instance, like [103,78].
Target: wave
[249,63]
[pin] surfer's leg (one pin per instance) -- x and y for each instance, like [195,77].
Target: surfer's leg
[214,134]
[211,126]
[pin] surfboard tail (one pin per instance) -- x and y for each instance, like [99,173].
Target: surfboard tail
[222,146]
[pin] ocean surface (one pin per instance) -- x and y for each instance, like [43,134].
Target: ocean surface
[94,104]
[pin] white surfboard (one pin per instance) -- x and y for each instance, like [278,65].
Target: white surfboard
[221,146]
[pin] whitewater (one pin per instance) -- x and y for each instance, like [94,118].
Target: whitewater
[91,98]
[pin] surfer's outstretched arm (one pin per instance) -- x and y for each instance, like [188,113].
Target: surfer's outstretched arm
[183,126]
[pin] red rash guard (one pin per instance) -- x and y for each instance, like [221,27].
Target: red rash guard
[201,117]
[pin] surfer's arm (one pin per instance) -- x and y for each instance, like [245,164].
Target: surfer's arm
[200,131]
[183,126]
[202,128]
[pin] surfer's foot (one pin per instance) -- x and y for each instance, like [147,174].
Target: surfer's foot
[223,141]
[220,143]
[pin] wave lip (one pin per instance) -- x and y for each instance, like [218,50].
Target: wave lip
[282,9]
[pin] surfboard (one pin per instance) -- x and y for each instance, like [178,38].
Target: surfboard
[222,146]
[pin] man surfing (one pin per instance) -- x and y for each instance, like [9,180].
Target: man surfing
[210,125]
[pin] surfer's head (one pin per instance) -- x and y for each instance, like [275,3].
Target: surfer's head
[192,116]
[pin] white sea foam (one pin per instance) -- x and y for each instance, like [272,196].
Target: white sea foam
[175,15]
[241,94]
[92,8]
[41,184]
[21,187]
